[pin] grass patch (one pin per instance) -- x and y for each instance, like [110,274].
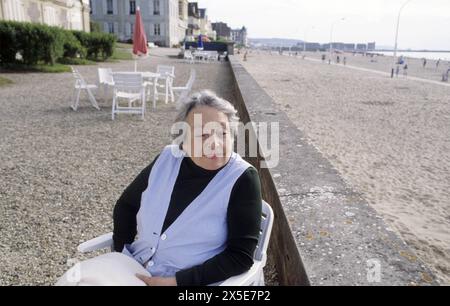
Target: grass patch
[124,46]
[57,68]
[120,55]
[4,81]
[76,61]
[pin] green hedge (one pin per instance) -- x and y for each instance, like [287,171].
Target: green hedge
[39,43]
[73,47]
[98,45]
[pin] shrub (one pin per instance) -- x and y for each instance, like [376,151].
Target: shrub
[98,45]
[8,40]
[43,44]
[73,47]
[95,27]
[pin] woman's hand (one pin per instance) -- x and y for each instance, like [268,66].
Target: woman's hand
[157,281]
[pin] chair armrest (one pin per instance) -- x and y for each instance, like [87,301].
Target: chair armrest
[180,88]
[246,279]
[101,242]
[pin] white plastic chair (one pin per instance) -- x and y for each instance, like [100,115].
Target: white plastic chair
[188,57]
[253,277]
[212,56]
[223,56]
[80,84]
[184,91]
[105,80]
[167,75]
[130,87]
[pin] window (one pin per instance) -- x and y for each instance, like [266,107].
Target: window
[156,10]
[157,29]
[50,16]
[132,7]
[131,28]
[109,7]
[90,6]
[111,27]
[180,9]
[14,10]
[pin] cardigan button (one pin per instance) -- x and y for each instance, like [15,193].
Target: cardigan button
[163,237]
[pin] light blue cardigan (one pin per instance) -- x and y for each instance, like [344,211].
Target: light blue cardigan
[198,234]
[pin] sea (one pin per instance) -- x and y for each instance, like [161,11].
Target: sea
[444,56]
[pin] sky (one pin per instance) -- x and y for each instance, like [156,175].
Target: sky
[424,24]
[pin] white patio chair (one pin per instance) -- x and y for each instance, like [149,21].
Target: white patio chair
[184,91]
[253,277]
[80,84]
[223,56]
[188,57]
[105,80]
[167,76]
[212,56]
[129,87]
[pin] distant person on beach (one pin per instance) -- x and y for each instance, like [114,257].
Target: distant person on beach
[437,63]
[424,62]
[338,59]
[345,61]
[445,75]
[397,71]
[323,58]
[405,70]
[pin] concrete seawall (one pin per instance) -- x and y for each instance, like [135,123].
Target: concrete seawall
[324,233]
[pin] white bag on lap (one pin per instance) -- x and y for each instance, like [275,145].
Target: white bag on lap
[112,269]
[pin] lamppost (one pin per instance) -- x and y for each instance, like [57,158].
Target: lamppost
[396,36]
[331,38]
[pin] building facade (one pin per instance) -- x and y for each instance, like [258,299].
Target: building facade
[222,29]
[361,47]
[67,14]
[165,21]
[239,36]
[193,20]
[199,23]
[308,46]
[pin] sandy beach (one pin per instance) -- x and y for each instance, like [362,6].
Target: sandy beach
[389,139]
[384,63]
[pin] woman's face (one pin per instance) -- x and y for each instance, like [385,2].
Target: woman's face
[209,143]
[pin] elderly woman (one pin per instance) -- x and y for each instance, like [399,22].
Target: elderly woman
[193,219]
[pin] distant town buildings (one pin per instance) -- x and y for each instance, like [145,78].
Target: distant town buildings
[68,14]
[348,47]
[361,47]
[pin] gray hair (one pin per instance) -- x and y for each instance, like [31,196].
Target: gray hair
[208,98]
